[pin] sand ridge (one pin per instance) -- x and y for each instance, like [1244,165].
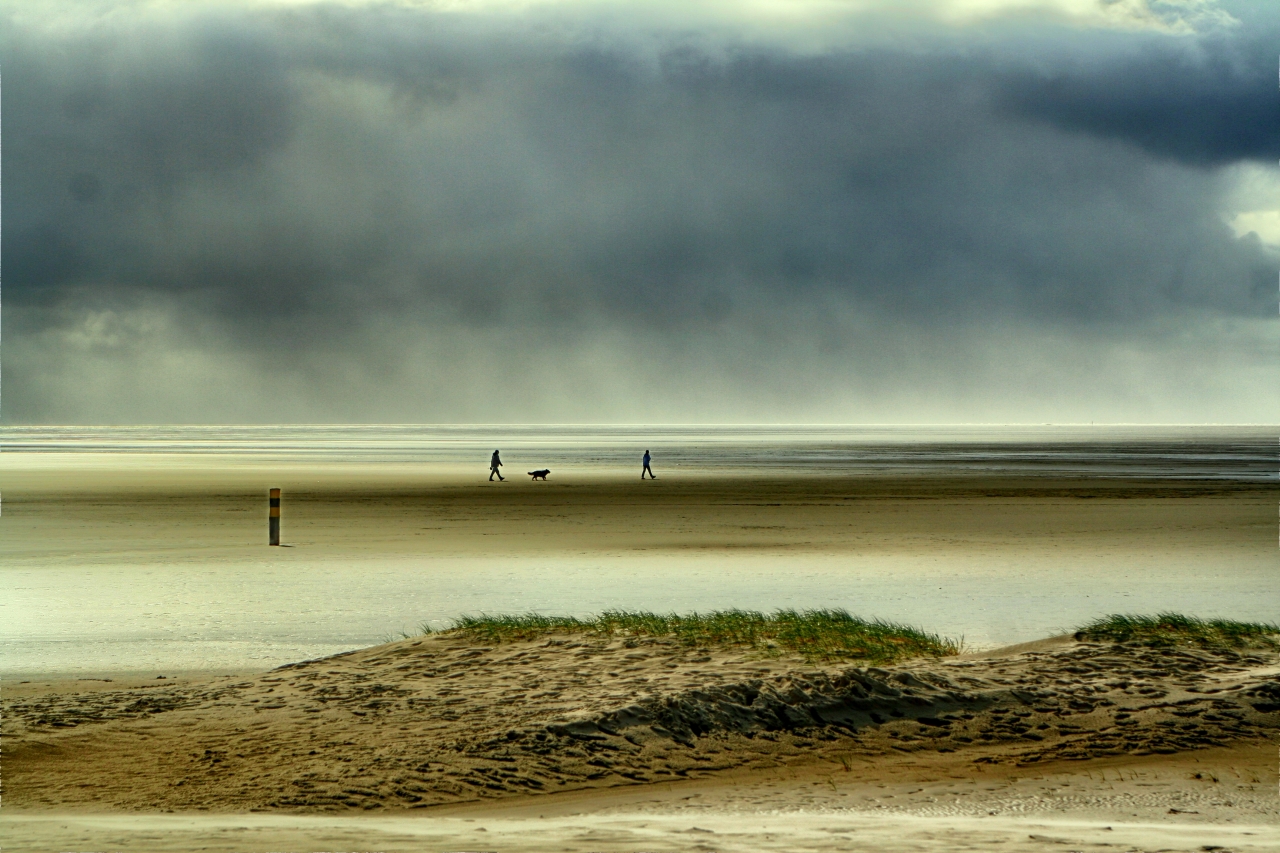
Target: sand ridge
[438,720]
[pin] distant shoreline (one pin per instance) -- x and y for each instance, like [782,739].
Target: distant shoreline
[1246,453]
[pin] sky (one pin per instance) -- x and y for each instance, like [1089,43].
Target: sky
[766,211]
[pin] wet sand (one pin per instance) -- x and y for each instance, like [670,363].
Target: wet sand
[101,507]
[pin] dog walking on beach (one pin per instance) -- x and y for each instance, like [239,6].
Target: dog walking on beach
[646,467]
[494,464]
[540,474]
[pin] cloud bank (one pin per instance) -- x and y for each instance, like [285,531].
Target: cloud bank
[385,212]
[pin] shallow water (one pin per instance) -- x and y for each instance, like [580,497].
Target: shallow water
[181,611]
[229,616]
[1246,453]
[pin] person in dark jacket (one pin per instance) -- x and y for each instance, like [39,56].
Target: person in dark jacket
[647,457]
[494,464]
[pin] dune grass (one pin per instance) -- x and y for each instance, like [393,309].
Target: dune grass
[817,635]
[1174,629]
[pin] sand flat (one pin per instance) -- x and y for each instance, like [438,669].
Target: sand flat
[676,830]
[103,506]
[172,551]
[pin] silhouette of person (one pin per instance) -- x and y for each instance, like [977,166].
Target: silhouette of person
[647,457]
[494,464]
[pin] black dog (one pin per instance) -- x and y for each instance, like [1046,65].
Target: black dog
[540,475]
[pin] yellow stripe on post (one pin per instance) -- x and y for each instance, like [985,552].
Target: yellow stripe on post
[273,520]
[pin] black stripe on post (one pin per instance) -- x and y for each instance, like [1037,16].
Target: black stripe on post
[273,519]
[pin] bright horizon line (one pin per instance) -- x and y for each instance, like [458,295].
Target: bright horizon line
[613,425]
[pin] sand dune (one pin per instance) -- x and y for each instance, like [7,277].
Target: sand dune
[439,720]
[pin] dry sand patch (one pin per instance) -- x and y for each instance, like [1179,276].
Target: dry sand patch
[625,833]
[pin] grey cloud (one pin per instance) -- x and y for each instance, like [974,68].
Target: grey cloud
[315,181]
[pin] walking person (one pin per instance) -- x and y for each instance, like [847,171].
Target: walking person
[647,457]
[494,464]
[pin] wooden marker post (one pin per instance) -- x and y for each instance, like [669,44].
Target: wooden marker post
[273,521]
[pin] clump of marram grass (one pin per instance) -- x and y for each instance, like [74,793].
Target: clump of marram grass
[1174,629]
[816,635]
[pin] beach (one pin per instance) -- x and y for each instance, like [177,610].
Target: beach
[171,548]
[301,707]
[456,426]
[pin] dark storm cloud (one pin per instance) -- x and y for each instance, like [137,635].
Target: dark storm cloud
[108,127]
[1206,103]
[303,177]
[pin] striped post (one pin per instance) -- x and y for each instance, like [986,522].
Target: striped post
[273,522]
